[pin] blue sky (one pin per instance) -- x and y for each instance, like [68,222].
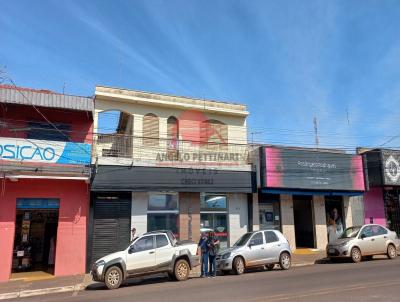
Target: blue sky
[287,60]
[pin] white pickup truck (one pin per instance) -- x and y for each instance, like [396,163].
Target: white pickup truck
[152,253]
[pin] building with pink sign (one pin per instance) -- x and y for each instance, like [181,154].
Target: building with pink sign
[310,195]
[382,202]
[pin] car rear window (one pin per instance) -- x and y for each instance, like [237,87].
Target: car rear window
[270,237]
[161,240]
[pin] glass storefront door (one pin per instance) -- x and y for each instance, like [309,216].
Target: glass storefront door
[214,216]
[334,217]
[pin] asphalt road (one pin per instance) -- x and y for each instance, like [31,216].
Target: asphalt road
[376,280]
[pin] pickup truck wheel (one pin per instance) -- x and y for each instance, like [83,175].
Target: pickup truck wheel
[391,251]
[182,270]
[238,265]
[113,277]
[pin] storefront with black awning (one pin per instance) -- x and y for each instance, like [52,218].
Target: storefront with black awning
[310,195]
[185,201]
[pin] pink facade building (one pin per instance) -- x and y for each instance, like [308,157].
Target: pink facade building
[45,153]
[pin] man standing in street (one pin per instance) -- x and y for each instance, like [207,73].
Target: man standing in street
[213,245]
[204,254]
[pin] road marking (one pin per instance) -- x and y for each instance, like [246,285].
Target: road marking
[283,297]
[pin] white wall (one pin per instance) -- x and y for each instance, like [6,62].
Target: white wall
[321,231]
[139,212]
[287,219]
[238,216]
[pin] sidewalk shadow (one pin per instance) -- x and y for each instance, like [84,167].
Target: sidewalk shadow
[344,260]
[131,282]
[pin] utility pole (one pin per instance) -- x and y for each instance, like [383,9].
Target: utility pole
[252,135]
[316,132]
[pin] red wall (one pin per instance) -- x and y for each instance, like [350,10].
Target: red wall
[15,115]
[71,234]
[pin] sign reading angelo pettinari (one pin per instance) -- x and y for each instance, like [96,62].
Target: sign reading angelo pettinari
[391,167]
[303,169]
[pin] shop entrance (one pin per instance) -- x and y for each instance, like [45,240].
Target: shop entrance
[35,235]
[303,221]
[334,217]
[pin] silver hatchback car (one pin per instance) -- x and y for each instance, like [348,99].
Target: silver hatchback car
[253,249]
[363,242]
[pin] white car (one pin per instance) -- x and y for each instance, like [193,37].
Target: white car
[256,249]
[363,242]
[152,253]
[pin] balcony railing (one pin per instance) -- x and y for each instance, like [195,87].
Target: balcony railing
[169,152]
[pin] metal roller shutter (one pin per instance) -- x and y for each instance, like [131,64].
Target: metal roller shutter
[111,225]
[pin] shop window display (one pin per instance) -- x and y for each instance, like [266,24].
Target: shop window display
[334,217]
[392,209]
[214,216]
[269,212]
[163,212]
[35,235]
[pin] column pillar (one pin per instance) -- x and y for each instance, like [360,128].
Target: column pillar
[348,215]
[321,231]
[189,216]
[238,218]
[256,216]
[139,212]
[287,219]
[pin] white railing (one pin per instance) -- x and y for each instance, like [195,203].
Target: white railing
[168,152]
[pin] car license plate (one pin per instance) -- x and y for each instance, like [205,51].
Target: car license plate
[332,251]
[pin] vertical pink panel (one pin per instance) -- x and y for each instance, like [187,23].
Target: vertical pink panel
[7,230]
[71,234]
[357,170]
[374,206]
[274,168]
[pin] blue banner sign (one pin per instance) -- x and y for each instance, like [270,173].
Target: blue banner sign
[42,151]
[38,203]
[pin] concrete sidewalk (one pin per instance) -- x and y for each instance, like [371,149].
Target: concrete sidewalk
[26,288]
[21,288]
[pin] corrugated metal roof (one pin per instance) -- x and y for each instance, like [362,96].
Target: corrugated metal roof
[44,98]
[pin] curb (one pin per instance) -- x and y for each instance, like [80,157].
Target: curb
[42,291]
[81,286]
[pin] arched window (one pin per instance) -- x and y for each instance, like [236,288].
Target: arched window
[151,130]
[214,135]
[172,133]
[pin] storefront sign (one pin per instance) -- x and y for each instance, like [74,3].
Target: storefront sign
[40,151]
[37,203]
[391,167]
[111,178]
[303,169]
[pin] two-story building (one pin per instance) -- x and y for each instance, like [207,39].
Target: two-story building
[45,152]
[169,162]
